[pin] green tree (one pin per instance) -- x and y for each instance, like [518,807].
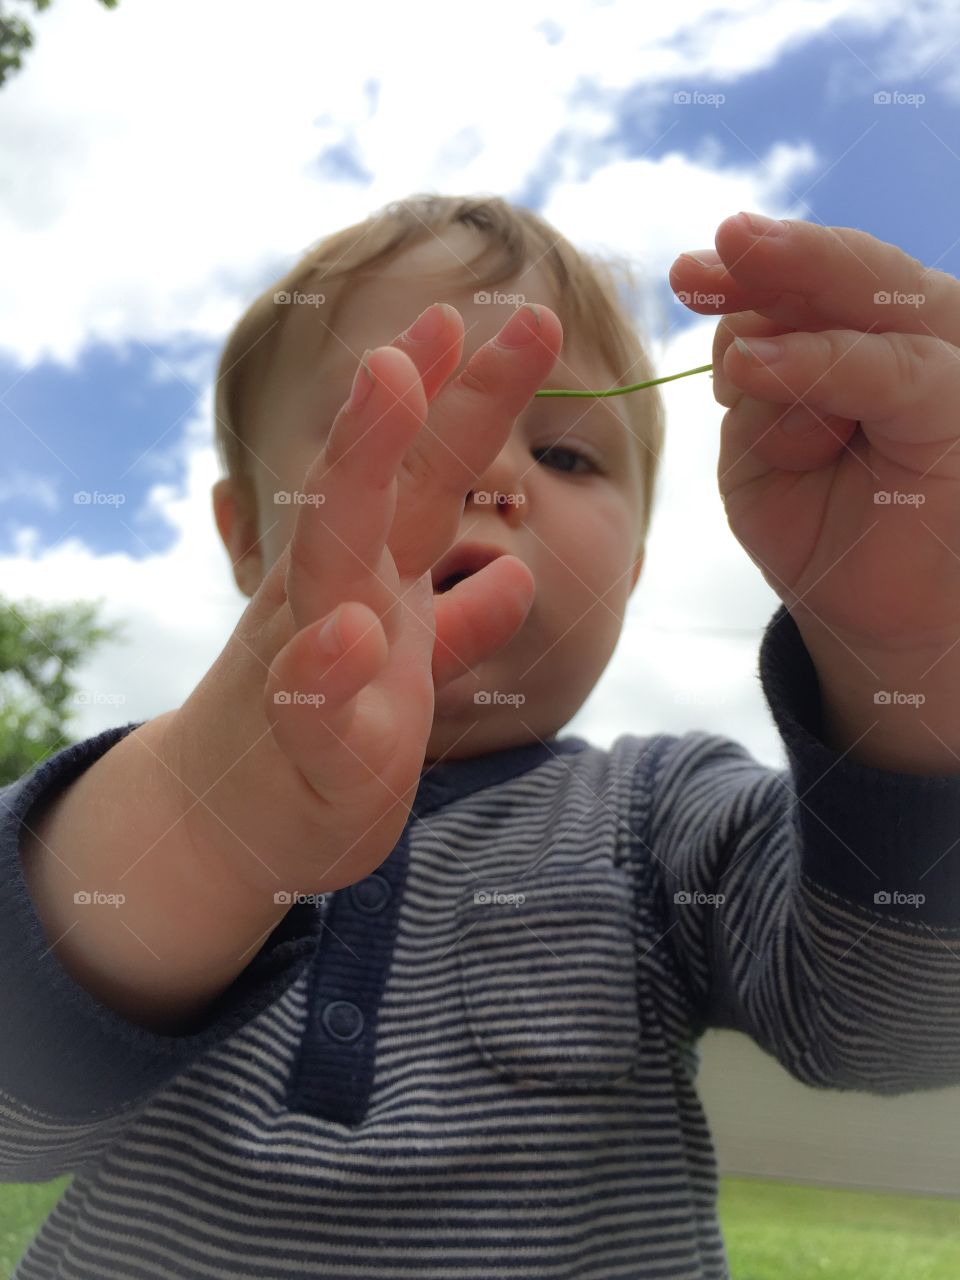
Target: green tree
[39,644]
[16,36]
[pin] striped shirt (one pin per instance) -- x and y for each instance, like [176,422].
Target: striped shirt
[480,1061]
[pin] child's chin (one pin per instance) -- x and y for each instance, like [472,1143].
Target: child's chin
[456,697]
[479,695]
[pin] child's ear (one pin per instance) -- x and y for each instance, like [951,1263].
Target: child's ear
[235,511]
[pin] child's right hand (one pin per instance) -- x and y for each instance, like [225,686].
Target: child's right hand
[307,796]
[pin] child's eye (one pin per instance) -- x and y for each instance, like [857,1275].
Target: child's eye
[575,454]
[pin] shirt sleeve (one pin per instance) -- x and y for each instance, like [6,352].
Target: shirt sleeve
[816,908]
[72,1071]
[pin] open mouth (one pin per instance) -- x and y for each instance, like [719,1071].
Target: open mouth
[461,562]
[449,582]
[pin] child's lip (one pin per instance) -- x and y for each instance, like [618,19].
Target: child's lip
[465,558]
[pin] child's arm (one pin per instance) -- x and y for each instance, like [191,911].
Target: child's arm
[180,928]
[816,909]
[200,816]
[837,945]
[73,1071]
[293,764]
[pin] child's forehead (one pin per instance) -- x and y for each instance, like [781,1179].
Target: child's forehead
[320,349]
[444,271]
[375,311]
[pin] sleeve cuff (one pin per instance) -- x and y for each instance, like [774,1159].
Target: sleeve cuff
[888,841]
[62,1051]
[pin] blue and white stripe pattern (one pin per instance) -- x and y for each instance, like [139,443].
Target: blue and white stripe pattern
[480,1062]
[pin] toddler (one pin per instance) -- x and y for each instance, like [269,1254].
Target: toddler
[398,982]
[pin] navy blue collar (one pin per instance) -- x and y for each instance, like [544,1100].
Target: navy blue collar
[448,780]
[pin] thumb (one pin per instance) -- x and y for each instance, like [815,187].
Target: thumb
[479,615]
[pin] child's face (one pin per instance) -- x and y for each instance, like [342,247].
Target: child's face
[575,528]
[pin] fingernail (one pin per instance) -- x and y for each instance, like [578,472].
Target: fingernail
[328,637]
[522,327]
[703,257]
[427,325]
[760,349]
[759,225]
[363,383]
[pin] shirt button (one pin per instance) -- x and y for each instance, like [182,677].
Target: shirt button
[371,895]
[342,1020]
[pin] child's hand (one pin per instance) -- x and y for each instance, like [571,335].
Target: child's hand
[859,530]
[307,749]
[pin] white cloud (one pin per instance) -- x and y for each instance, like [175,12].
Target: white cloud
[158,157]
[157,168]
[29,485]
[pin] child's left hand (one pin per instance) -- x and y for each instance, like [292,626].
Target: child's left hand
[877,385]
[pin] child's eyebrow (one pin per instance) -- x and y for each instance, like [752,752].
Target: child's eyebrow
[599,414]
[593,412]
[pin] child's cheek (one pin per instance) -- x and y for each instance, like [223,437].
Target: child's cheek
[585,573]
[599,546]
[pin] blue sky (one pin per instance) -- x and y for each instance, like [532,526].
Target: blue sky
[111,424]
[105,427]
[135,238]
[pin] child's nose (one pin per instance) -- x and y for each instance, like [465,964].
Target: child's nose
[501,486]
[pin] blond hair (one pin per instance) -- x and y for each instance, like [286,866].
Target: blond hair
[586,287]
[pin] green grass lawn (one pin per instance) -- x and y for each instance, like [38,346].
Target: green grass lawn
[23,1206]
[781,1231]
[774,1231]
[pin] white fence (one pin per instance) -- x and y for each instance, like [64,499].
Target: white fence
[767,1124]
